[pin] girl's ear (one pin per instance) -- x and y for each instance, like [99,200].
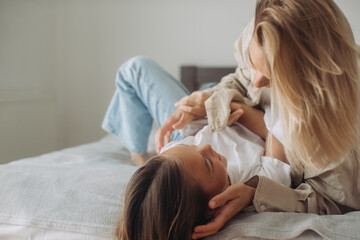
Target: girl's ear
[209,213]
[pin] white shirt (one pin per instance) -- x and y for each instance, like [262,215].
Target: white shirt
[273,125]
[243,149]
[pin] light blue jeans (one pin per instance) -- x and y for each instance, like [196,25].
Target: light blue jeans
[144,91]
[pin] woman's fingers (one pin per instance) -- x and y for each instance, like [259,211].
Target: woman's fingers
[224,214]
[194,103]
[228,204]
[229,194]
[210,228]
[184,101]
[190,100]
[200,233]
[198,111]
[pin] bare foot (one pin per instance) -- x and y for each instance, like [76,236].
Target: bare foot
[140,159]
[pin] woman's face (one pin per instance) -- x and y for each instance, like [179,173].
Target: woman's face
[258,62]
[204,165]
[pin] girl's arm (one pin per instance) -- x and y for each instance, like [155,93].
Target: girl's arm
[253,119]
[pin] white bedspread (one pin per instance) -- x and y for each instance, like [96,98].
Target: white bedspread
[81,190]
[280,225]
[78,190]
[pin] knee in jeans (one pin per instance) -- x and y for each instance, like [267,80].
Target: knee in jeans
[132,70]
[137,63]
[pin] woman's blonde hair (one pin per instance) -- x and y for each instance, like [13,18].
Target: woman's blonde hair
[313,59]
[161,203]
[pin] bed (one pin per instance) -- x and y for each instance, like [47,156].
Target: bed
[77,193]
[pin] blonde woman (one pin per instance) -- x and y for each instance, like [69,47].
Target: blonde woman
[298,60]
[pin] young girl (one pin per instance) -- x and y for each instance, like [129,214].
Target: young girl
[167,196]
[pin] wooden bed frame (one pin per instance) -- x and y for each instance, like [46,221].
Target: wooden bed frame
[193,76]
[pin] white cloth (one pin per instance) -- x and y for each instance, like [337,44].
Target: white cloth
[243,150]
[274,125]
[77,190]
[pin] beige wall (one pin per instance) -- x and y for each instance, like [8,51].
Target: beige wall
[58,59]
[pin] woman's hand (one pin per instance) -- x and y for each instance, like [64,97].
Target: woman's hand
[177,120]
[194,103]
[228,204]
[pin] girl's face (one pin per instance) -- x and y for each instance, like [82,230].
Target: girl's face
[204,165]
[259,63]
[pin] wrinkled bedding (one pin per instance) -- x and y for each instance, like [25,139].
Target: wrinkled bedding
[80,190]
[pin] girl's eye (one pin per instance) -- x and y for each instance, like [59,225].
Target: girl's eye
[211,163]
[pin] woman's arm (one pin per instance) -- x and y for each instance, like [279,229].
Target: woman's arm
[316,195]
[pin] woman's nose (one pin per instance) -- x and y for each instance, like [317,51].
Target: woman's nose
[261,81]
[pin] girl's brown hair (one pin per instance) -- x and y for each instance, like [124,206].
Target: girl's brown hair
[161,203]
[313,59]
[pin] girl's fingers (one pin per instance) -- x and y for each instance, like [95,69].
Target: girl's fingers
[235,105]
[184,119]
[159,140]
[180,124]
[167,137]
[234,116]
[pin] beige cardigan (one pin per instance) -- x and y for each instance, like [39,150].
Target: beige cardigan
[333,190]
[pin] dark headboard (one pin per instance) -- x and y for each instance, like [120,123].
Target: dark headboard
[193,77]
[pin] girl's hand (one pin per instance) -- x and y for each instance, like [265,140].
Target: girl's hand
[236,112]
[177,120]
[194,103]
[228,204]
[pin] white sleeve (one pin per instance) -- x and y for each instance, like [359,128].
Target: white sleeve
[275,169]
